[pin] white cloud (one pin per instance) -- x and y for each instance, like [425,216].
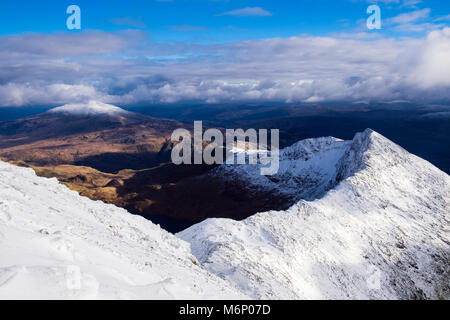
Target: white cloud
[64,44]
[409,17]
[20,94]
[248,12]
[433,68]
[413,22]
[443,18]
[305,68]
[400,3]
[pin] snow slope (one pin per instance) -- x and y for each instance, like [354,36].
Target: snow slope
[89,109]
[55,244]
[383,232]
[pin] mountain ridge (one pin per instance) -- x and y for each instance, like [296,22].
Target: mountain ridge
[381,233]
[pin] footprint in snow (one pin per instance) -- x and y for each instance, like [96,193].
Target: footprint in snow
[63,247]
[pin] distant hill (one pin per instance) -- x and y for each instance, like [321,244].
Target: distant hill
[101,136]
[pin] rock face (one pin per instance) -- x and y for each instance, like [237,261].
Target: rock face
[55,244]
[381,231]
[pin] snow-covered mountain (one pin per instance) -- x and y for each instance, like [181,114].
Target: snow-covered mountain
[381,232]
[55,244]
[376,224]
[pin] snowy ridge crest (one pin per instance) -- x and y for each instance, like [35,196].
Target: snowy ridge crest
[382,232]
[306,170]
[305,149]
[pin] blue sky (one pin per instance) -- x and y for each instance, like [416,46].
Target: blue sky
[208,21]
[152,52]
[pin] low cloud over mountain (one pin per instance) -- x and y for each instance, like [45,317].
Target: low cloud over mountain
[126,67]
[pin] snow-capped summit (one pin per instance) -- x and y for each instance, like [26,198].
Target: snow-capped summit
[380,232]
[88,109]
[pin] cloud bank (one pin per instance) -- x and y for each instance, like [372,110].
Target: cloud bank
[126,68]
